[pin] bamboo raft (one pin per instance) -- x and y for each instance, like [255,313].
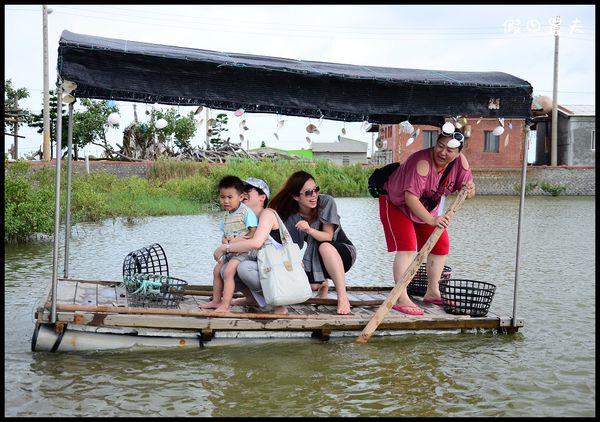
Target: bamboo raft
[95,315]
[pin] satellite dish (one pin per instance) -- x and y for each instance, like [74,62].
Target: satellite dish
[378,143]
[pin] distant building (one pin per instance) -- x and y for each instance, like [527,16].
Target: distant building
[303,153]
[344,152]
[576,137]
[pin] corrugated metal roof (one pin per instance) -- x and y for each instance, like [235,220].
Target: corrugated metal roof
[345,145]
[578,110]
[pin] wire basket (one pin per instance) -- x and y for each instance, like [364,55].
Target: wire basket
[154,290]
[467,297]
[147,260]
[418,285]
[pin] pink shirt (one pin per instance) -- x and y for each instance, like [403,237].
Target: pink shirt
[405,178]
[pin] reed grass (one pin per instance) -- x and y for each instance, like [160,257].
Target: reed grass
[170,188]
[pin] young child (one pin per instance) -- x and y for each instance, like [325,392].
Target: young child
[238,222]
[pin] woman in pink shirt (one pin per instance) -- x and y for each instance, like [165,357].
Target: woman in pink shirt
[412,208]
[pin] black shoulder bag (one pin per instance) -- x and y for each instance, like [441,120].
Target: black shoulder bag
[379,176]
[428,202]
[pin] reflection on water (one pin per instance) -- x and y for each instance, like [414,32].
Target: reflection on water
[547,369]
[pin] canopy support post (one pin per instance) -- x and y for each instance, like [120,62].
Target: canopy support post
[68,193]
[513,321]
[56,203]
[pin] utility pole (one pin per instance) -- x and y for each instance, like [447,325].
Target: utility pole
[46,153]
[16,129]
[554,139]
[207,129]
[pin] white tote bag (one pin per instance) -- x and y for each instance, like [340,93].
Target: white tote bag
[282,276]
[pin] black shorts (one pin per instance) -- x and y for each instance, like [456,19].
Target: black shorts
[344,254]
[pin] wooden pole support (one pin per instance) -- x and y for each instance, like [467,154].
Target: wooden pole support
[410,272]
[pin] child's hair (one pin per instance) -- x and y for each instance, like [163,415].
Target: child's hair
[231,182]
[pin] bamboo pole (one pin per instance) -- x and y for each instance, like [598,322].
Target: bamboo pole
[410,272]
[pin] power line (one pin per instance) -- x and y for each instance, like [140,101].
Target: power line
[404,32]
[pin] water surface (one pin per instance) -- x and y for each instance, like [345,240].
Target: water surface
[547,369]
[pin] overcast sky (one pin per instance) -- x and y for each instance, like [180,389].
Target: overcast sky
[505,38]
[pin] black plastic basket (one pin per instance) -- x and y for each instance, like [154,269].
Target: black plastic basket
[147,260]
[418,285]
[154,290]
[467,297]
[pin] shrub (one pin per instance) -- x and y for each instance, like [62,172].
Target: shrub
[529,186]
[172,187]
[28,206]
[552,189]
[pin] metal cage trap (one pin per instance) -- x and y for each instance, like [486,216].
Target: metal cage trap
[147,282]
[154,290]
[148,260]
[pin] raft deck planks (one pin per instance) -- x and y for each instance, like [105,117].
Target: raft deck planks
[103,304]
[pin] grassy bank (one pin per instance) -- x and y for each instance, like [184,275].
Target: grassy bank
[171,188]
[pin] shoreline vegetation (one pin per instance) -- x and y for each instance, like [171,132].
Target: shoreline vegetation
[171,188]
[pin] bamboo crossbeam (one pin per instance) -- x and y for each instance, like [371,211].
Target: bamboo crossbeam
[181,312]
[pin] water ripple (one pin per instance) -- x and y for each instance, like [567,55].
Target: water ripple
[545,370]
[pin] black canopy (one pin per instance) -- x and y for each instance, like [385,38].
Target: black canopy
[106,68]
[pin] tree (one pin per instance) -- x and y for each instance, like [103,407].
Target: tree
[91,125]
[179,129]
[219,125]
[263,145]
[14,117]
[10,96]
[146,141]
[185,129]
[37,121]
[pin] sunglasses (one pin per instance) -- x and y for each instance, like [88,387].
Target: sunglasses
[310,192]
[456,135]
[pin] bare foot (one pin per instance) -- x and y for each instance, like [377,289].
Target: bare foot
[432,299]
[343,306]
[213,304]
[433,296]
[323,291]
[281,310]
[405,301]
[244,301]
[222,308]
